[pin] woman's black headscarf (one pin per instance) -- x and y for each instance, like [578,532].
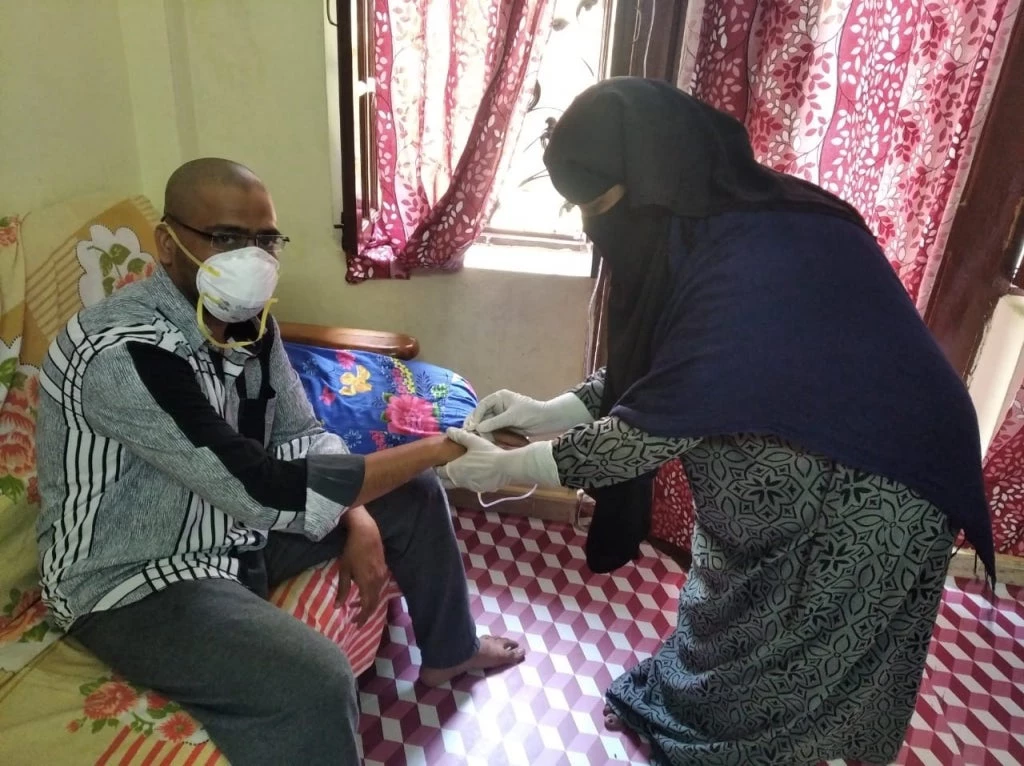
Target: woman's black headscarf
[682,162]
[674,155]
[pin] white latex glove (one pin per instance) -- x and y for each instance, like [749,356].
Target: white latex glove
[507,409]
[485,467]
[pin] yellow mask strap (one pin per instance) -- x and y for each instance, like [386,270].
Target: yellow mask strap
[201,321]
[209,269]
[603,203]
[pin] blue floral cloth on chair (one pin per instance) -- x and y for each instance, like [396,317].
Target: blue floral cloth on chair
[373,401]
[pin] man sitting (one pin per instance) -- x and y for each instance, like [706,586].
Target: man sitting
[184,475]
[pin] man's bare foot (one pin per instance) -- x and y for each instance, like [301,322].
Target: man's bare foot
[494,652]
[611,721]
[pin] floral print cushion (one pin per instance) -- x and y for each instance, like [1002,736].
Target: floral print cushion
[112,701]
[374,401]
[45,277]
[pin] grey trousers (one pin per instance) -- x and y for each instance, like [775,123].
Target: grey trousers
[268,688]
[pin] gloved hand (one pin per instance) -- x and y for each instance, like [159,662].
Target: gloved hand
[486,467]
[507,409]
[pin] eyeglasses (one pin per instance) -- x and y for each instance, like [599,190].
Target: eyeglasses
[222,241]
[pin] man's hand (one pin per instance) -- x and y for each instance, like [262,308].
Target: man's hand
[447,449]
[362,561]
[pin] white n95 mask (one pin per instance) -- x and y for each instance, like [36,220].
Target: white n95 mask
[237,285]
[234,286]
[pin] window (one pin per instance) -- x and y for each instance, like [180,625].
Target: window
[590,39]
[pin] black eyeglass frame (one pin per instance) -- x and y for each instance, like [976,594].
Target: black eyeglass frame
[223,241]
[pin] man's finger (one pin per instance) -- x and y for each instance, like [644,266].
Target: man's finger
[369,604]
[370,597]
[344,585]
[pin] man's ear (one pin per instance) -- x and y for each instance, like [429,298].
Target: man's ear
[165,246]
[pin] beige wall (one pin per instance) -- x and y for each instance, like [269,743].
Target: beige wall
[998,370]
[247,79]
[66,123]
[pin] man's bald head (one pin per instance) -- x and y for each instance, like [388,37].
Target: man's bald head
[205,197]
[186,184]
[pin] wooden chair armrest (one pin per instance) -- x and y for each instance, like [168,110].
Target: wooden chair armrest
[394,344]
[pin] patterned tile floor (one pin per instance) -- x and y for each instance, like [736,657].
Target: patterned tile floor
[528,579]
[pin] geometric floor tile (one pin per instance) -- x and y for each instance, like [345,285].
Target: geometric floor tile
[527,579]
[971,706]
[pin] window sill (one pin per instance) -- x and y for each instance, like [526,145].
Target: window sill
[529,260]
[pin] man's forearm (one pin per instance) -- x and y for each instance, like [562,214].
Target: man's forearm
[389,469]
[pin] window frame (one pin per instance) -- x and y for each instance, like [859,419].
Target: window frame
[360,199]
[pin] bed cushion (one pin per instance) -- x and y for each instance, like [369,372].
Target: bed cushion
[374,401]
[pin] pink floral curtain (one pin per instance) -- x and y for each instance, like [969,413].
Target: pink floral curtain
[878,101]
[1004,481]
[452,85]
